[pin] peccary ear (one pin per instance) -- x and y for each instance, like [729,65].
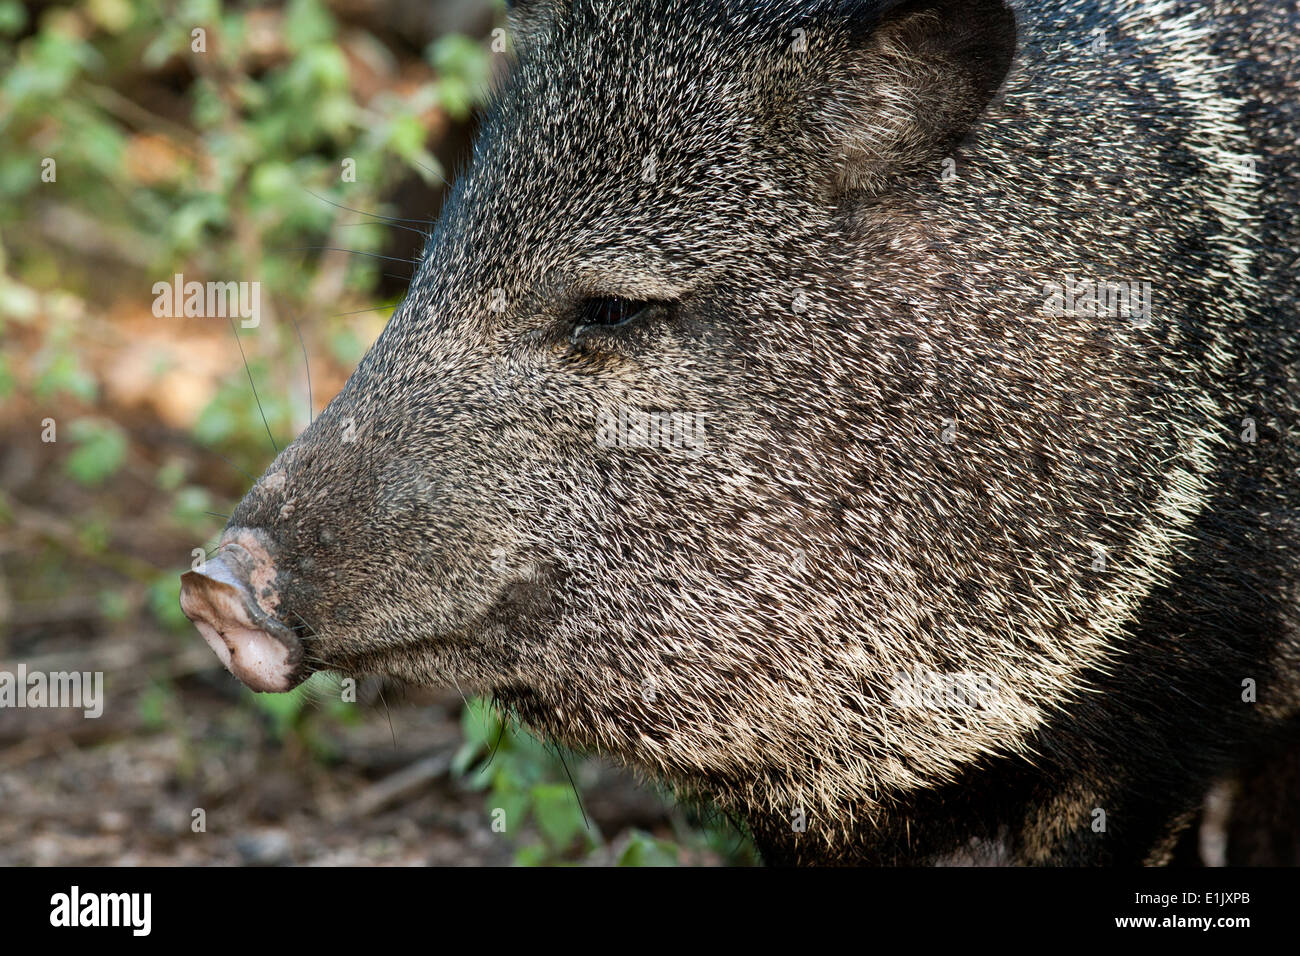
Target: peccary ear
[913,79]
[528,18]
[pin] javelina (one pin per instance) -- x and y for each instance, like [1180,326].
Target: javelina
[878,417]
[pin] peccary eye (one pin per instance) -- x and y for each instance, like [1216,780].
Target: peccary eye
[609,313]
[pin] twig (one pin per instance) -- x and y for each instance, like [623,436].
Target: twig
[398,785]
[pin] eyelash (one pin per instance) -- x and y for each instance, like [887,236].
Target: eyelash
[609,312]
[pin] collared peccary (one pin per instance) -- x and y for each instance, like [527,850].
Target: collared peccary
[877,417]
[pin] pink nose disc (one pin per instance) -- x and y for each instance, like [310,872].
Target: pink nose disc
[260,651]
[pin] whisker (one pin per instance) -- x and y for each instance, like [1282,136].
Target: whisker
[389,714]
[395,225]
[432,172]
[311,408]
[254,385]
[355,252]
[572,783]
[374,215]
[505,722]
[377,308]
[304,623]
[227,461]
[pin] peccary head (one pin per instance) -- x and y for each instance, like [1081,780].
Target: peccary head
[698,437]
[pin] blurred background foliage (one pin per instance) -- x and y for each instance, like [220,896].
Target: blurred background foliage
[303,145]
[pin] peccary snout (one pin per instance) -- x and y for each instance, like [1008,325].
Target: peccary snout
[232,601]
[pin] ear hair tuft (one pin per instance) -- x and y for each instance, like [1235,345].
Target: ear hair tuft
[911,84]
[527,19]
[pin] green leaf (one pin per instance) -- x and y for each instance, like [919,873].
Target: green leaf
[171,475]
[50,63]
[307,22]
[194,218]
[193,508]
[170,39]
[113,605]
[645,850]
[555,807]
[462,58]
[456,97]
[480,723]
[532,855]
[271,182]
[101,450]
[515,805]
[13,17]
[164,602]
[94,536]
[65,373]
[155,705]
[283,709]
[464,759]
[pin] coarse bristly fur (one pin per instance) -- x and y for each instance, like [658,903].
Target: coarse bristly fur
[917,471]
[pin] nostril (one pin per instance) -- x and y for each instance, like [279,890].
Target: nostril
[255,647]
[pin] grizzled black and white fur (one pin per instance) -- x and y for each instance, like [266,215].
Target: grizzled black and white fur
[982,544]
